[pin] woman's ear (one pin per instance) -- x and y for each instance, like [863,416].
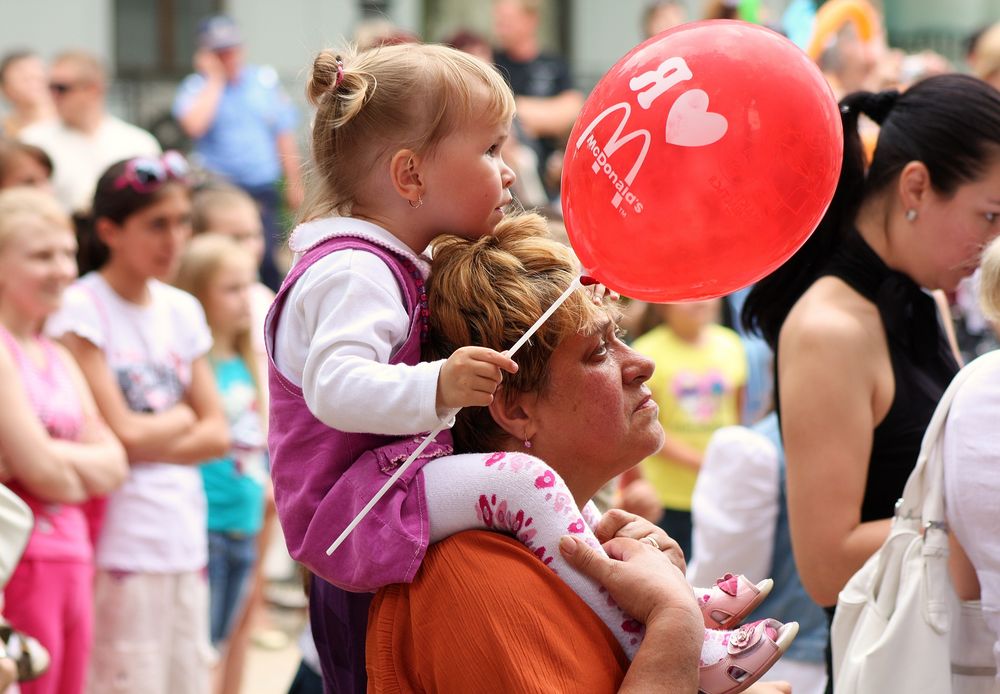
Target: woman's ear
[914,185]
[405,172]
[514,416]
[106,231]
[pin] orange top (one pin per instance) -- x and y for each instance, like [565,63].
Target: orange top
[485,615]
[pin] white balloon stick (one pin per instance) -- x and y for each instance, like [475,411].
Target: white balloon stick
[430,437]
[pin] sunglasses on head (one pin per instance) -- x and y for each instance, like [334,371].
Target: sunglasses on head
[147,174]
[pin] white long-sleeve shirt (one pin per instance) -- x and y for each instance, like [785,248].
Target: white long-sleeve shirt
[734,507]
[971,459]
[343,320]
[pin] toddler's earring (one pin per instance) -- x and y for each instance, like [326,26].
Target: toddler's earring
[911,215]
[527,443]
[420,201]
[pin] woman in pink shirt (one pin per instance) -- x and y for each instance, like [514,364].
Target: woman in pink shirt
[55,449]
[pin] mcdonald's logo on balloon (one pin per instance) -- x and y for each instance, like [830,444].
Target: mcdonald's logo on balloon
[700,162]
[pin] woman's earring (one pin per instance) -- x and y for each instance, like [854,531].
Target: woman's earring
[527,443]
[420,201]
[911,215]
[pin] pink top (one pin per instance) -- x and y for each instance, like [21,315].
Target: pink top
[61,531]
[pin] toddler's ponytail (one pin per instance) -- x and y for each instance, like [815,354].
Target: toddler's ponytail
[333,79]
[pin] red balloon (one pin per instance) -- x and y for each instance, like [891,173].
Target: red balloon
[700,162]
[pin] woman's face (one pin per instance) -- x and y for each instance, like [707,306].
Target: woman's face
[596,418]
[149,242]
[37,263]
[958,228]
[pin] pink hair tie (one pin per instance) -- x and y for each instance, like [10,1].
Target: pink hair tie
[340,72]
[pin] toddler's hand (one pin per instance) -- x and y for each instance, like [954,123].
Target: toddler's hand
[471,376]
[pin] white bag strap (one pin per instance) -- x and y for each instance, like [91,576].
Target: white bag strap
[923,496]
[923,501]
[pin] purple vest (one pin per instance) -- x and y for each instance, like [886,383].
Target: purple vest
[323,477]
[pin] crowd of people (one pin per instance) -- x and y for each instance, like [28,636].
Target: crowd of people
[179,378]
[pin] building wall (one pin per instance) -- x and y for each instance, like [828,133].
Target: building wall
[289,39]
[287,35]
[51,26]
[602,32]
[941,26]
[955,15]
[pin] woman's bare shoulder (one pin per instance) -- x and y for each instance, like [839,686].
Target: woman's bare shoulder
[833,319]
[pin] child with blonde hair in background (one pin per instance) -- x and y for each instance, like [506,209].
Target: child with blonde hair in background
[232,212]
[143,347]
[217,271]
[700,381]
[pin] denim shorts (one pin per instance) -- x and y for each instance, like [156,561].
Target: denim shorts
[231,559]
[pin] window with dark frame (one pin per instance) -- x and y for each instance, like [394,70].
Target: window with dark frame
[155,39]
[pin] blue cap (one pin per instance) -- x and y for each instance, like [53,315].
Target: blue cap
[217,33]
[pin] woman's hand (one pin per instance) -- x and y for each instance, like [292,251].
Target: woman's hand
[650,588]
[644,581]
[619,523]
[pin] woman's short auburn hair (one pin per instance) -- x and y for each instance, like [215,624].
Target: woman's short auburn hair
[488,292]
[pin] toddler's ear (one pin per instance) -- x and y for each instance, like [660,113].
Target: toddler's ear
[404,170]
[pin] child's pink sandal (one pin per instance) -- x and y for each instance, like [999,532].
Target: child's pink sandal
[731,599]
[751,651]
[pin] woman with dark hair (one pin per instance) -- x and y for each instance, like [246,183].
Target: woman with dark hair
[861,356]
[143,347]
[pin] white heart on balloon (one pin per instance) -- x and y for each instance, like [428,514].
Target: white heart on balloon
[691,124]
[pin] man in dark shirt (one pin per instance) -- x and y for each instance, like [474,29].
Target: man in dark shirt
[547,103]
